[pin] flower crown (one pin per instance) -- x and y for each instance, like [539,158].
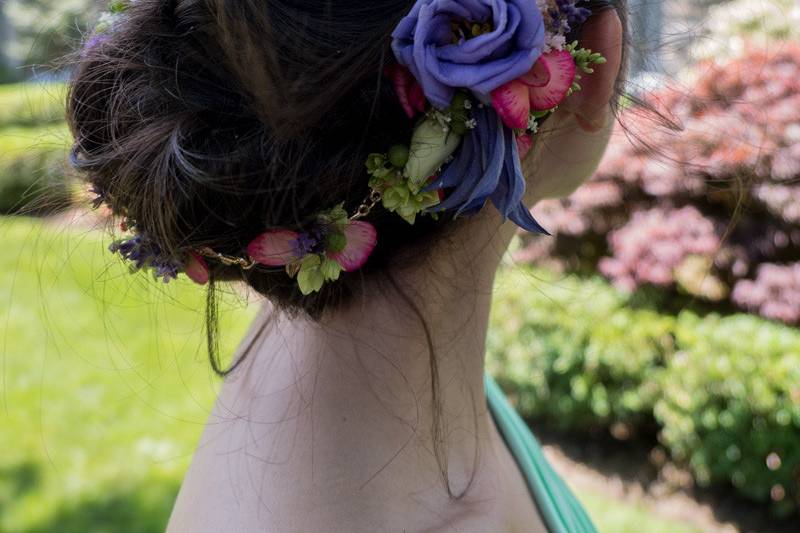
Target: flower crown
[478,77]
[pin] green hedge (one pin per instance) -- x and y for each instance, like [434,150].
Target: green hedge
[31,104]
[32,170]
[722,393]
[730,405]
[573,353]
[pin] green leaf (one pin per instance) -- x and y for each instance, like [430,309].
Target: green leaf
[310,279]
[336,215]
[408,213]
[396,197]
[378,166]
[330,269]
[118,6]
[375,161]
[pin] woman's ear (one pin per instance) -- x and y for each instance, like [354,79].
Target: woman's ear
[602,33]
[571,143]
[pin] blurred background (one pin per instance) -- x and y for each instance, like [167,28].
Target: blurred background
[655,350]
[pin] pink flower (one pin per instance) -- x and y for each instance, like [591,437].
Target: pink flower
[544,87]
[361,241]
[276,248]
[281,247]
[197,268]
[408,90]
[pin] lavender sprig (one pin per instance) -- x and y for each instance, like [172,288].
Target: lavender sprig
[143,253]
[574,15]
[566,15]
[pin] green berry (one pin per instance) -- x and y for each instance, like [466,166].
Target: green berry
[398,155]
[336,242]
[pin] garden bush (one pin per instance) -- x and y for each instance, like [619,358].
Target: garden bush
[32,171]
[722,394]
[712,212]
[574,353]
[730,405]
[32,104]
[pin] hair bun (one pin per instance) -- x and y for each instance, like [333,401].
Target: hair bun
[207,122]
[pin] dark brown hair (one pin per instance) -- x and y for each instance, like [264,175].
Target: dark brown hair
[208,121]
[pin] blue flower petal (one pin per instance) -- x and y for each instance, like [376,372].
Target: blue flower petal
[487,167]
[486,163]
[422,41]
[510,191]
[521,216]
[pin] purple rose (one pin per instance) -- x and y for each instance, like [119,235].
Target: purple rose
[473,44]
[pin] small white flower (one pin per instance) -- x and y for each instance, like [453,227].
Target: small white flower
[441,118]
[467,104]
[555,42]
[533,126]
[471,124]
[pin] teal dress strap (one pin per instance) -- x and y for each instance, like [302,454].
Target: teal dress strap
[560,509]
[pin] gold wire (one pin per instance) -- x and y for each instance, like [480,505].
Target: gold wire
[244,263]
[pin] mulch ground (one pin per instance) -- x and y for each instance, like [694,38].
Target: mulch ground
[639,471]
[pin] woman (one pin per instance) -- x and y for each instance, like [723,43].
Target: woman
[231,138]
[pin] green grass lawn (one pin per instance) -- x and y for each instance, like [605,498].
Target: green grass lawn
[105,386]
[16,141]
[32,104]
[105,389]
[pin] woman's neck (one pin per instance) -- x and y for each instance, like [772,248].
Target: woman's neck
[344,408]
[362,381]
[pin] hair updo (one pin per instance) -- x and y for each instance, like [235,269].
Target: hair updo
[208,122]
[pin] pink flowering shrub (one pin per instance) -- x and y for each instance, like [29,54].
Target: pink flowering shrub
[655,243]
[712,210]
[774,293]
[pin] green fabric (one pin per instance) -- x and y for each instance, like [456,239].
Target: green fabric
[561,511]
